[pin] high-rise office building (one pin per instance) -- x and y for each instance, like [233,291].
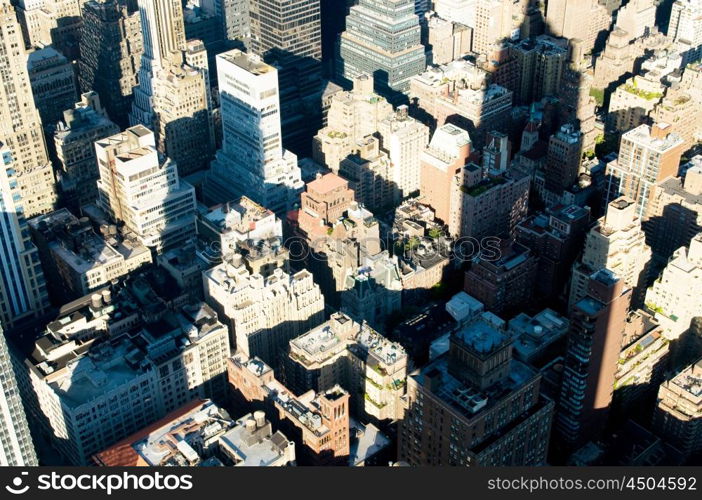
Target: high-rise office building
[590,365]
[16,446]
[617,243]
[52,22]
[404,139]
[234,15]
[444,158]
[647,155]
[679,410]
[565,149]
[172,97]
[383,40]
[272,29]
[685,29]
[674,215]
[352,115]
[342,351]
[77,168]
[93,390]
[252,161]
[111,46]
[23,293]
[20,124]
[582,21]
[495,22]
[676,296]
[288,35]
[475,406]
[53,84]
[140,188]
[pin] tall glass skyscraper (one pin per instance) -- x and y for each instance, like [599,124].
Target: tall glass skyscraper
[16,448]
[23,294]
[382,39]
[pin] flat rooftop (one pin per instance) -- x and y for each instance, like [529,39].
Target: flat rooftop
[482,337]
[466,399]
[690,380]
[326,184]
[240,215]
[340,333]
[249,62]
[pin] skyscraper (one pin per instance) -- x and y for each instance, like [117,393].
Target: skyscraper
[494,23]
[404,139]
[679,410]
[52,78]
[352,116]
[111,46]
[252,160]
[383,40]
[140,187]
[272,29]
[562,161]
[287,34]
[16,448]
[444,158]
[647,155]
[582,21]
[173,97]
[78,172]
[235,18]
[676,296]
[51,22]
[590,365]
[617,243]
[20,124]
[475,406]
[685,28]
[23,294]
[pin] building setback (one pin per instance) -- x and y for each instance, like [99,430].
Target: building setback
[383,40]
[454,403]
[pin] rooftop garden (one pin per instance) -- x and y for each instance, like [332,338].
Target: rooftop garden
[598,94]
[374,402]
[435,233]
[649,96]
[483,186]
[373,383]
